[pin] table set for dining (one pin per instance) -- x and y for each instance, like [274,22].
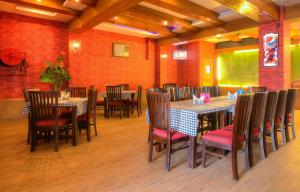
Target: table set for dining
[184,118]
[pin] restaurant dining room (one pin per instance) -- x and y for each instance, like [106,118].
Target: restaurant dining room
[149,95]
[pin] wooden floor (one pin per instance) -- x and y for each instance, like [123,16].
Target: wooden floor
[116,160]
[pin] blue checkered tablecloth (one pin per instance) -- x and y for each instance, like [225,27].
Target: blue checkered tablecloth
[183,114]
[80,103]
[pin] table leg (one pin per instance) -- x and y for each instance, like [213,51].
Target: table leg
[192,152]
[74,126]
[221,120]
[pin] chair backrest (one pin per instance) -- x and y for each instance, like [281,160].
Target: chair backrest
[43,105]
[258,110]
[291,101]
[92,100]
[159,110]
[77,92]
[167,85]
[259,89]
[216,91]
[173,93]
[124,86]
[271,107]
[281,105]
[114,93]
[139,94]
[188,92]
[242,117]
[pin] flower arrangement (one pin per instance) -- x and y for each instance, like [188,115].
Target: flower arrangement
[55,73]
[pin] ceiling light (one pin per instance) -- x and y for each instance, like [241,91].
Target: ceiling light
[39,1]
[37,11]
[244,7]
[116,17]
[218,36]
[165,23]
[246,51]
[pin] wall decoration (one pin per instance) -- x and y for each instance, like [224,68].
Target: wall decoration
[179,54]
[120,50]
[13,61]
[270,43]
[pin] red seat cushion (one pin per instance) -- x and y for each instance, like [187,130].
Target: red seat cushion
[115,103]
[51,122]
[66,114]
[290,117]
[163,133]
[222,136]
[268,125]
[229,127]
[82,117]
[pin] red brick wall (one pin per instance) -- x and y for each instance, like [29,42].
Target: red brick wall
[41,40]
[275,77]
[93,62]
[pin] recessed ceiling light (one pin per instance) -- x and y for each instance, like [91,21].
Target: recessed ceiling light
[36,11]
[39,1]
[218,36]
[116,17]
[165,23]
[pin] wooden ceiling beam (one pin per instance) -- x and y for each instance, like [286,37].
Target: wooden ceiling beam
[140,24]
[258,10]
[53,6]
[158,17]
[189,9]
[292,12]
[101,12]
[240,24]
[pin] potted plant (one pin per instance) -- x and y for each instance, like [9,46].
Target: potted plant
[55,73]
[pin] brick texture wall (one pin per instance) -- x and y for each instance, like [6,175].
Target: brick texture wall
[276,78]
[93,62]
[41,40]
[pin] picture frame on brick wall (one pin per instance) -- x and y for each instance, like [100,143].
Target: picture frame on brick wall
[120,50]
[270,46]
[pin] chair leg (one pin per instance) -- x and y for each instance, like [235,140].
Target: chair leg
[33,140]
[283,134]
[264,138]
[56,133]
[235,165]
[249,153]
[168,159]
[293,128]
[95,125]
[262,148]
[150,147]
[203,152]
[138,110]
[287,134]
[275,132]
[88,133]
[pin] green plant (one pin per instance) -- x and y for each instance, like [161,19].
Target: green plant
[55,73]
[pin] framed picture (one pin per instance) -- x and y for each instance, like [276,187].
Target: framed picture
[120,50]
[270,43]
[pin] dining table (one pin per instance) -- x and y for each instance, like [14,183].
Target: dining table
[78,107]
[126,94]
[184,118]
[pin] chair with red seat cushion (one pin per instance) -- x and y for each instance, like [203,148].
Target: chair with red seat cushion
[231,140]
[159,128]
[269,120]
[257,124]
[44,116]
[280,117]
[289,113]
[89,118]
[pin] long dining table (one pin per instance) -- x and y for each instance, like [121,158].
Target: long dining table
[184,119]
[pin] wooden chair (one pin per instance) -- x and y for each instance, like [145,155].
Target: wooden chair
[114,100]
[173,91]
[138,102]
[216,91]
[289,113]
[257,124]
[44,116]
[208,89]
[259,89]
[167,85]
[280,117]
[89,118]
[160,131]
[77,91]
[233,137]
[269,120]
[124,86]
